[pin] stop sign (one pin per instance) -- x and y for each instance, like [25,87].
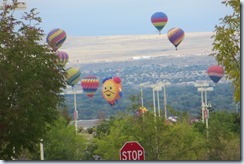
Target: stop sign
[132,151]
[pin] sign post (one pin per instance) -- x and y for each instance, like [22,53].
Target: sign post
[132,150]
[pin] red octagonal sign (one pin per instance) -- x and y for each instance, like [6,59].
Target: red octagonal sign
[132,151]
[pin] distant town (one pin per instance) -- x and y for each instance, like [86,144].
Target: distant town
[177,70]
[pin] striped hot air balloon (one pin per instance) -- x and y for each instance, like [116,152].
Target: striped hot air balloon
[175,36]
[72,76]
[215,73]
[141,111]
[56,38]
[159,20]
[89,85]
[63,57]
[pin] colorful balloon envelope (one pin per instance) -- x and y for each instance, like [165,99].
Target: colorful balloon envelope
[63,57]
[112,90]
[72,76]
[175,36]
[89,85]
[141,111]
[56,38]
[215,73]
[159,20]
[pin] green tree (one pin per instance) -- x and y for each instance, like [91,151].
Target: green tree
[103,128]
[160,140]
[62,143]
[108,145]
[182,142]
[224,136]
[29,83]
[64,111]
[226,45]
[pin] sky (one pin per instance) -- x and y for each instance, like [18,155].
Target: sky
[126,17]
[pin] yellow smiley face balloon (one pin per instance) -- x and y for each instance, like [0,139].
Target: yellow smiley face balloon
[112,90]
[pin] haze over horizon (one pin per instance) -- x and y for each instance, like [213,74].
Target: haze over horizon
[92,49]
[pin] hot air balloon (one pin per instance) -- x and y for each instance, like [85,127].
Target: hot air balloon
[159,20]
[89,85]
[141,111]
[112,90]
[63,57]
[56,38]
[215,73]
[72,76]
[175,36]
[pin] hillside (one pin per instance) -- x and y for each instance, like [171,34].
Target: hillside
[93,49]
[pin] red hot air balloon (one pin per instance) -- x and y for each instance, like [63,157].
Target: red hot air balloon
[175,36]
[215,73]
[89,85]
[56,38]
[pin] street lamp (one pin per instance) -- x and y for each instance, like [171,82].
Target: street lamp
[158,87]
[207,89]
[203,88]
[75,92]
[164,84]
[154,108]
[142,85]
[141,95]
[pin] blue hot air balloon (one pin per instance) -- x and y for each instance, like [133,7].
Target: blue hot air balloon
[159,20]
